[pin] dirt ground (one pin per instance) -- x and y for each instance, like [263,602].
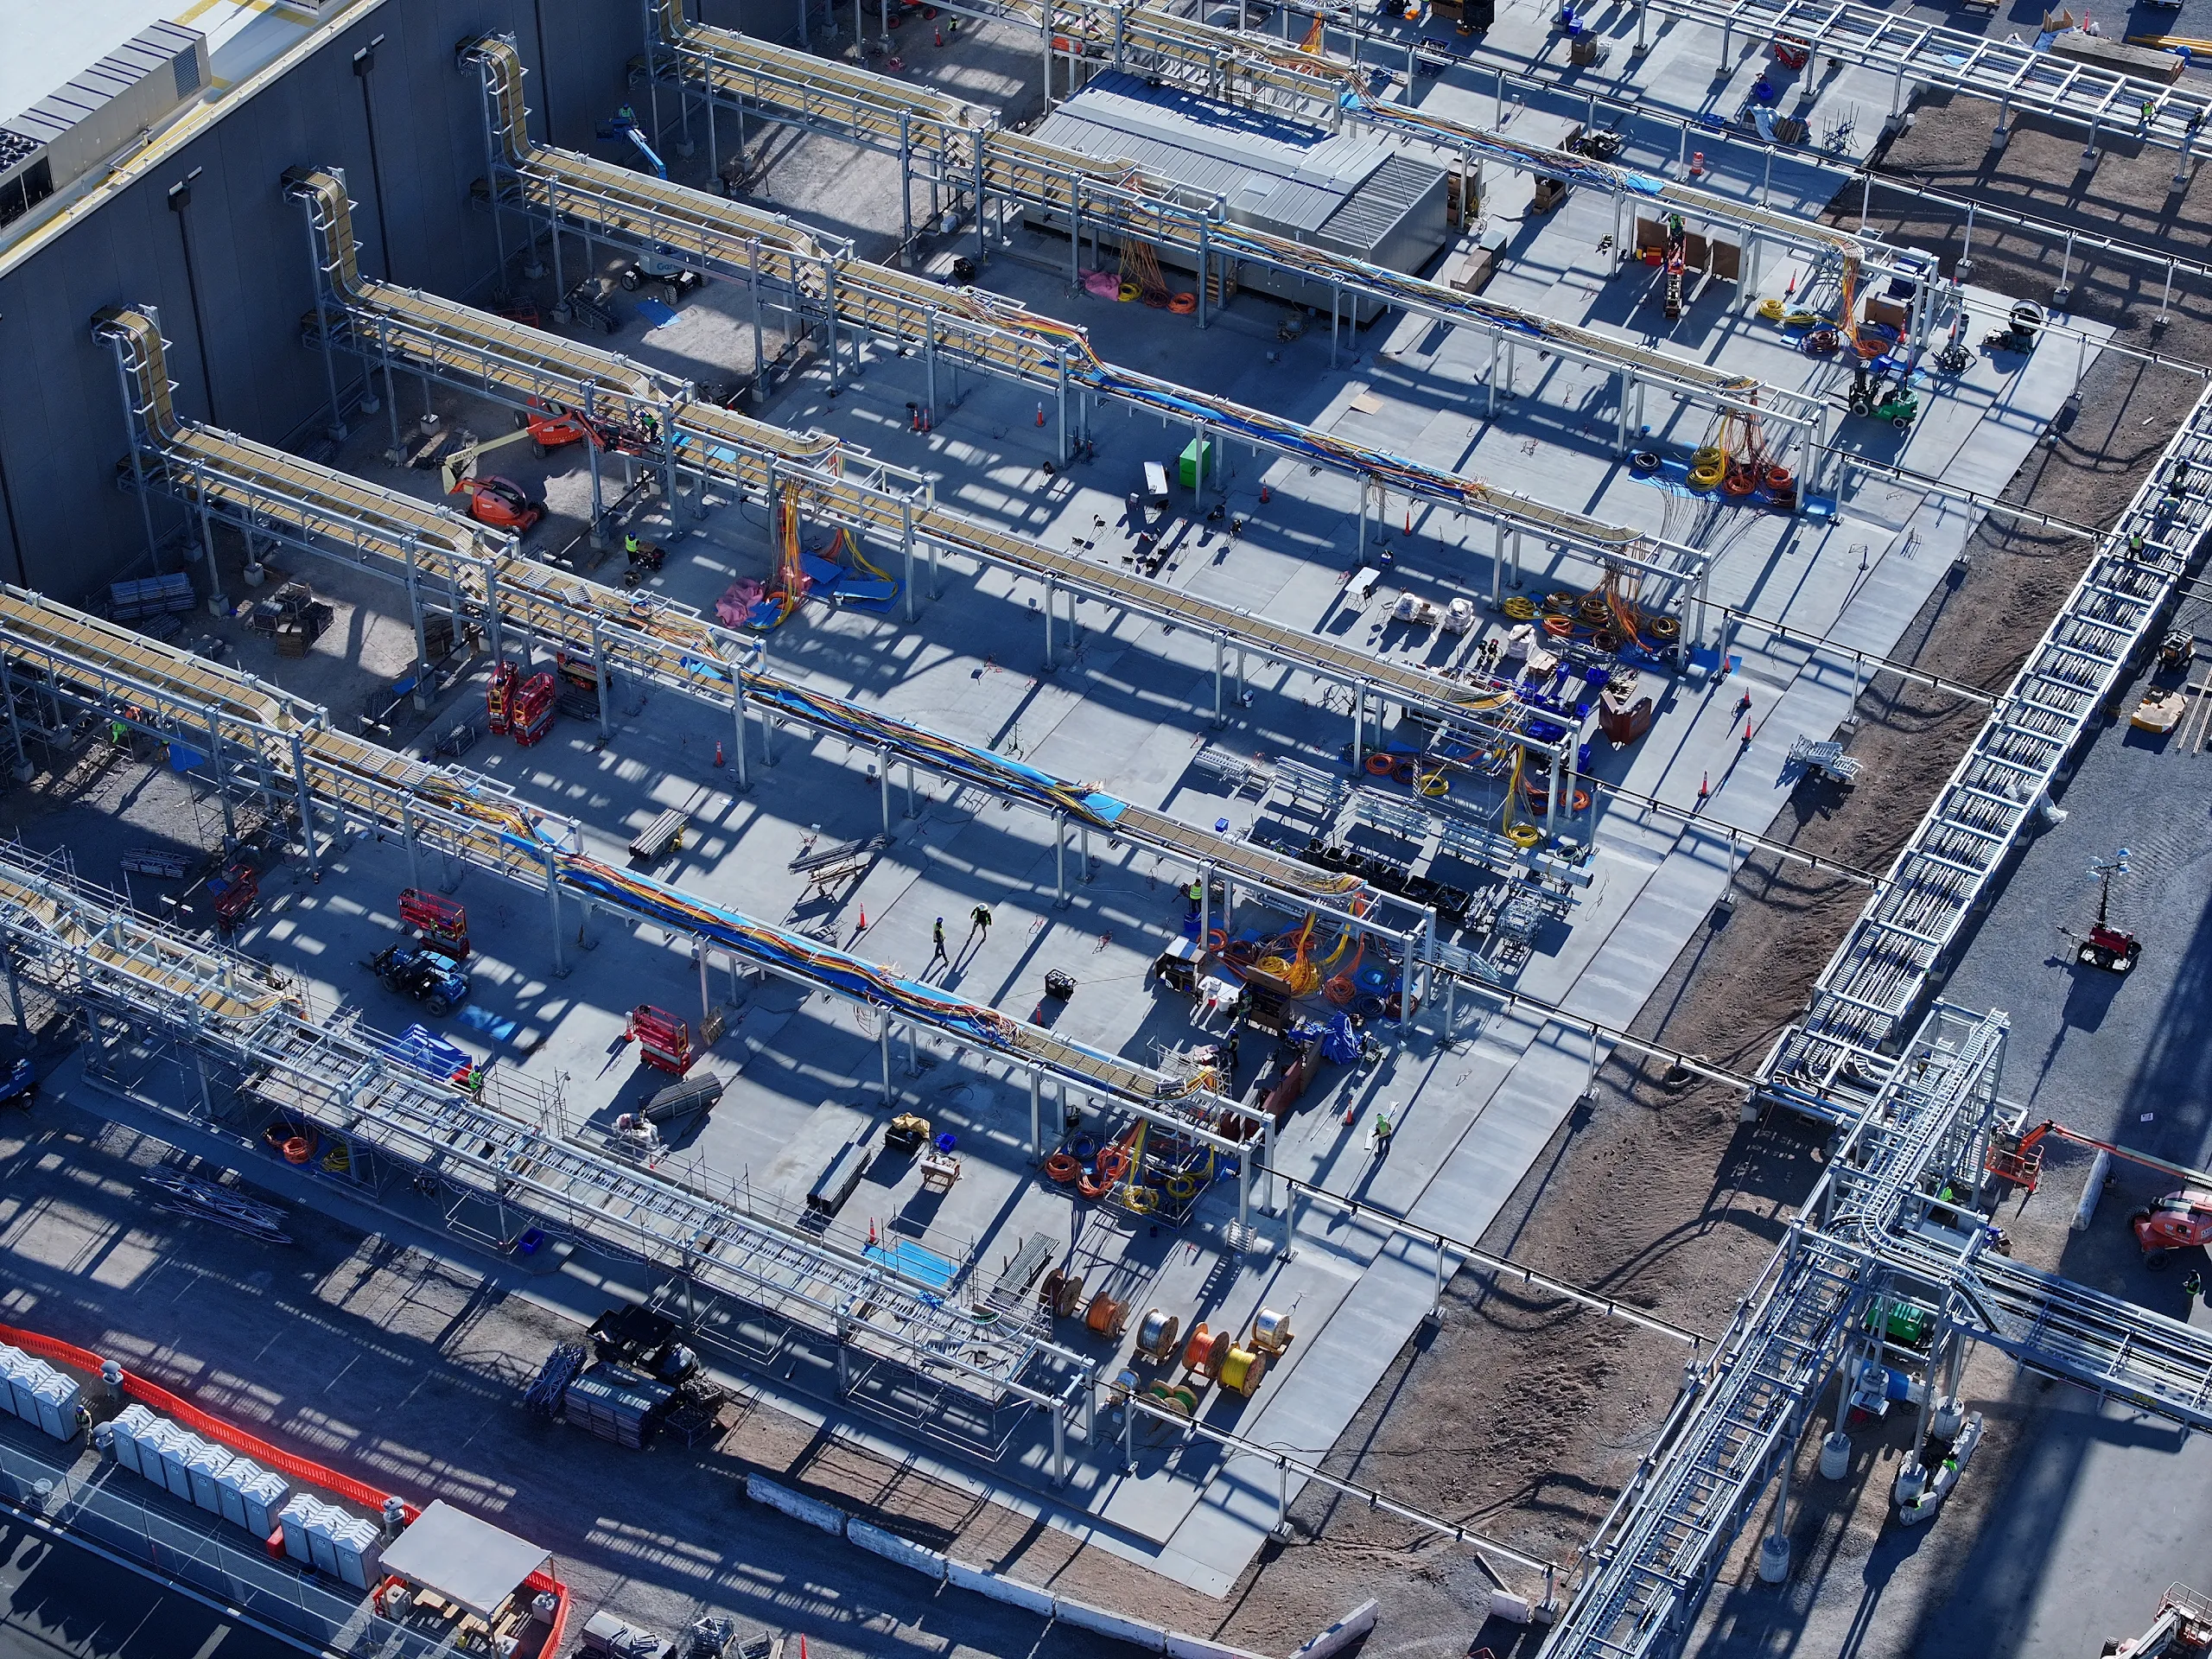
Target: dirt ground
[1665,1199]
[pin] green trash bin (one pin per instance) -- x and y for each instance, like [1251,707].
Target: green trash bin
[1196,455]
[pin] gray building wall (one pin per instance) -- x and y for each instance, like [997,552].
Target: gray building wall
[65,528]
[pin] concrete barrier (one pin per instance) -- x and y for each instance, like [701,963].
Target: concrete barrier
[1135,1632]
[1012,1591]
[812,1511]
[1181,1646]
[891,1548]
[1342,1634]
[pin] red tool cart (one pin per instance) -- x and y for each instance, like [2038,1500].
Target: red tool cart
[233,893]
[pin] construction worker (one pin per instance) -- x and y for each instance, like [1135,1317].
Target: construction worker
[626,116]
[978,922]
[2134,541]
[630,547]
[940,955]
[1196,895]
[1232,1061]
[1379,1134]
[649,423]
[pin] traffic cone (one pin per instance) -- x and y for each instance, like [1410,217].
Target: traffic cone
[1704,786]
[1410,518]
[1789,289]
[863,926]
[1040,414]
[940,36]
[1697,163]
[1266,495]
[718,751]
[1747,734]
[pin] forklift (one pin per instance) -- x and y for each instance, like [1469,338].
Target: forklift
[2113,949]
[1876,396]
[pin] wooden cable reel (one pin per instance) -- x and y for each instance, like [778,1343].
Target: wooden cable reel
[1070,1296]
[1156,1333]
[1203,1354]
[1106,1317]
[1242,1369]
[1271,1331]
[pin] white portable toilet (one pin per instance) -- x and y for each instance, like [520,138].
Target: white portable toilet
[204,1467]
[176,1454]
[252,1496]
[20,1372]
[56,1396]
[152,1441]
[322,1540]
[129,1424]
[360,1551]
[294,1518]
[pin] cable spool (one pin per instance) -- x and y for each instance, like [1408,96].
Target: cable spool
[1205,1350]
[1340,990]
[1605,641]
[1560,603]
[1126,292]
[1062,1167]
[1560,628]
[1402,772]
[300,1147]
[1770,309]
[1778,478]
[1378,765]
[1303,979]
[1181,1399]
[1182,1188]
[1706,478]
[1156,1333]
[1271,1331]
[1524,835]
[1183,304]
[1707,455]
[1106,1317]
[1049,1292]
[1644,462]
[1664,628]
[1273,967]
[1739,481]
[1435,784]
[1242,1369]
[1521,610]
[1070,1296]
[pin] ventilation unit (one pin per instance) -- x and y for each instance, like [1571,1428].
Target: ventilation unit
[133,90]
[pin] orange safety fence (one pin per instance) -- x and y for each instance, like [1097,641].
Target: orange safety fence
[541,1581]
[152,1395]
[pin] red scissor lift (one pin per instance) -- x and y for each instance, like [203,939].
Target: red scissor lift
[233,893]
[499,698]
[536,704]
[441,923]
[663,1039]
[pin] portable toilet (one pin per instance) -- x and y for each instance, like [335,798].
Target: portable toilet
[360,1551]
[56,1396]
[149,1441]
[129,1424]
[176,1452]
[252,1496]
[17,1371]
[293,1518]
[204,1468]
[323,1543]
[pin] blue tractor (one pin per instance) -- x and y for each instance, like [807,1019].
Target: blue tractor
[437,983]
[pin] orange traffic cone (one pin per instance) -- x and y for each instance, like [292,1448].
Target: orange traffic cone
[940,36]
[1704,785]
[1747,734]
[718,751]
[1040,414]
[1266,495]
[862,928]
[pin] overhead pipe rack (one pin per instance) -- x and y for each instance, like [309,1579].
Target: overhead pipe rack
[2011,74]
[259,741]
[562,190]
[88,947]
[1873,1231]
[657,643]
[730,68]
[515,364]
[1899,948]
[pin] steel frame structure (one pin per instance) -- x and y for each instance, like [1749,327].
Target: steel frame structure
[261,741]
[1896,951]
[556,190]
[985,162]
[1881,1225]
[513,364]
[89,950]
[2013,76]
